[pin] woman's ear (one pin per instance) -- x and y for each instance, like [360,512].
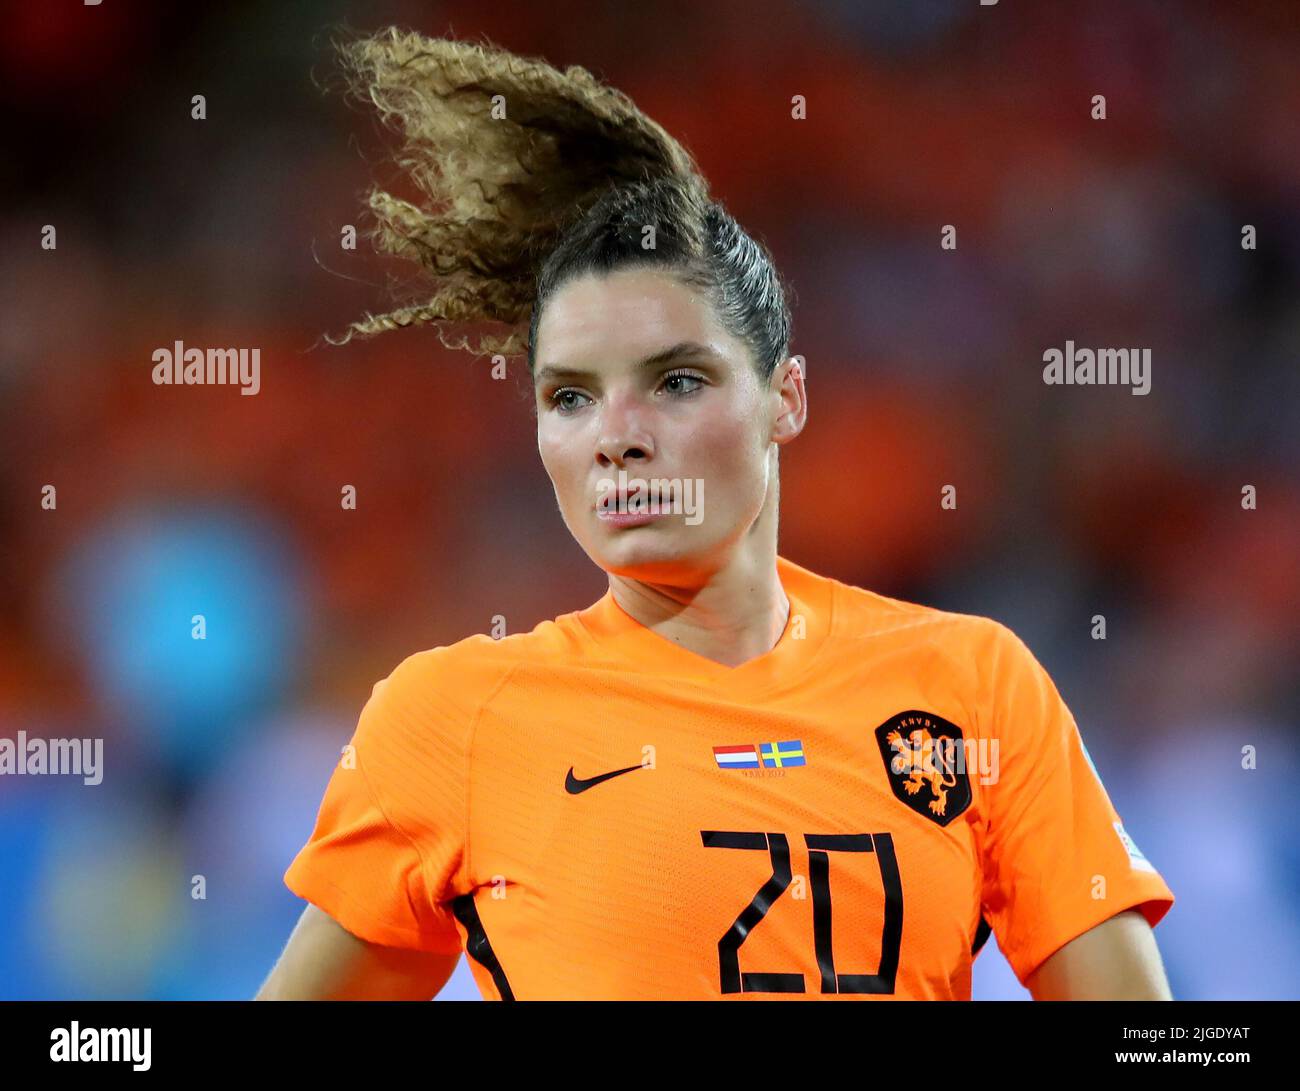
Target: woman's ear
[793,413]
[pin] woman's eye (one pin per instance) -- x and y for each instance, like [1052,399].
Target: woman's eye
[561,399]
[682,378]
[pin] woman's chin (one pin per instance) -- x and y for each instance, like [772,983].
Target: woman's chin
[647,556]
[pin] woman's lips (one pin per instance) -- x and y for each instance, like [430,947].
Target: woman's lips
[628,518]
[633,507]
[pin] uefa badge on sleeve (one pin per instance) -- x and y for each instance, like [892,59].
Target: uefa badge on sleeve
[925,761]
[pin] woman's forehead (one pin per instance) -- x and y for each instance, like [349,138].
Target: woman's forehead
[624,316]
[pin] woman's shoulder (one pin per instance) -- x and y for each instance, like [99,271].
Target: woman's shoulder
[968,649]
[473,666]
[861,612]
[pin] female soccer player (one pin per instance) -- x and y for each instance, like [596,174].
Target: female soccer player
[730,776]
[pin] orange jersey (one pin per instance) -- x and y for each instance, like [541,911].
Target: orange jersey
[593,812]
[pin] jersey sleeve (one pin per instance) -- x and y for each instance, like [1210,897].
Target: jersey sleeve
[387,855]
[1056,858]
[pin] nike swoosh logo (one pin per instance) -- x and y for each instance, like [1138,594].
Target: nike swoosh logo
[573,785]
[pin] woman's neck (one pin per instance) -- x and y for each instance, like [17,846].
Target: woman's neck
[737,616]
[730,614]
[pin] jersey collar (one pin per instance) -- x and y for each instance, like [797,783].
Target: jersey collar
[811,606]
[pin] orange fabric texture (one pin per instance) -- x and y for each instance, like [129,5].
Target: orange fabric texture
[779,829]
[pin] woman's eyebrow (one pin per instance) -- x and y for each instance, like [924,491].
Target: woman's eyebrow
[680,351]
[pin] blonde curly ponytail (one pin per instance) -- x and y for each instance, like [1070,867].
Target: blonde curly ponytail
[508,150]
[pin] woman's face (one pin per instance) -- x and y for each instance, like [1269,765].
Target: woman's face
[634,373]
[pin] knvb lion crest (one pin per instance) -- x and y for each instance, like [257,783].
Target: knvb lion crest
[925,763]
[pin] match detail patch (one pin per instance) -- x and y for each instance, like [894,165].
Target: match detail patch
[767,755]
[1135,855]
